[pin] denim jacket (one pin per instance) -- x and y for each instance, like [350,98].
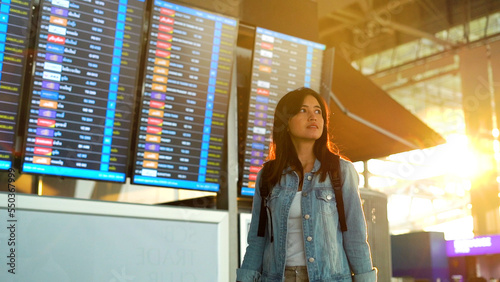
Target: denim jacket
[331,255]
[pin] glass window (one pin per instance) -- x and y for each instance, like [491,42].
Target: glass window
[385,60]
[493,24]
[406,52]
[369,64]
[477,29]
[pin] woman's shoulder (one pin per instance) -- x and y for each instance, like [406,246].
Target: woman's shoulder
[349,172]
[347,167]
[345,162]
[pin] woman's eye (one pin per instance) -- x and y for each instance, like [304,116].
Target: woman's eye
[318,111]
[302,110]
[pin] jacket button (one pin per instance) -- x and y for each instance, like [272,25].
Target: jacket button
[329,197]
[309,177]
[311,259]
[307,216]
[309,238]
[304,194]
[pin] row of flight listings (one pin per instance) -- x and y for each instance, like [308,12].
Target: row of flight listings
[78,90]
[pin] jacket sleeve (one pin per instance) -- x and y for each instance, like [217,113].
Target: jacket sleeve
[355,238]
[251,267]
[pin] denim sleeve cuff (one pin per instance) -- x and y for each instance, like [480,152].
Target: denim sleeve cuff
[370,276]
[247,275]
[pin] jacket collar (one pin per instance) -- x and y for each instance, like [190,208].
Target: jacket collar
[317,165]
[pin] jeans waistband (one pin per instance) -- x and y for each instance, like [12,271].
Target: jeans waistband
[296,268]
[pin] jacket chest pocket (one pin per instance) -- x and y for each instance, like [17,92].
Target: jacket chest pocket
[325,199]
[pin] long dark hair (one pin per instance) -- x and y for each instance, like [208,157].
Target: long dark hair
[282,152]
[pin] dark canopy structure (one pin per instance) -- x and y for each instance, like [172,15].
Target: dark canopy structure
[367,123]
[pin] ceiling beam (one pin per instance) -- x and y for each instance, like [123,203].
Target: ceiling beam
[418,33]
[340,16]
[327,6]
[327,31]
[349,14]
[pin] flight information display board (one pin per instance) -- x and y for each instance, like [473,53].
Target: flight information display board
[14,23]
[280,64]
[83,88]
[186,92]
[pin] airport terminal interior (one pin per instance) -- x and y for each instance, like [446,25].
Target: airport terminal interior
[127,103]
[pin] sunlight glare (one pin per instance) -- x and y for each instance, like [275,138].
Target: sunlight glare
[463,161]
[454,229]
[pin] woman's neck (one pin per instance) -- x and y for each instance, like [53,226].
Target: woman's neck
[306,156]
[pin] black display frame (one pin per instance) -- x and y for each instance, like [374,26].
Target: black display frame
[173,182]
[29,95]
[18,120]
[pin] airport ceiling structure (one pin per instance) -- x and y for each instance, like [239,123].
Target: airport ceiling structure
[372,26]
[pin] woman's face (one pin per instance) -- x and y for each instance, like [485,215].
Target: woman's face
[307,124]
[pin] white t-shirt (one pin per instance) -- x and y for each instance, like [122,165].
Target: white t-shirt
[295,255]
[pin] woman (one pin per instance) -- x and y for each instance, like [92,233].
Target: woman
[302,238]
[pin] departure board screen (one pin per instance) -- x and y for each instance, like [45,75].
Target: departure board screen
[184,104]
[14,23]
[280,64]
[83,88]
